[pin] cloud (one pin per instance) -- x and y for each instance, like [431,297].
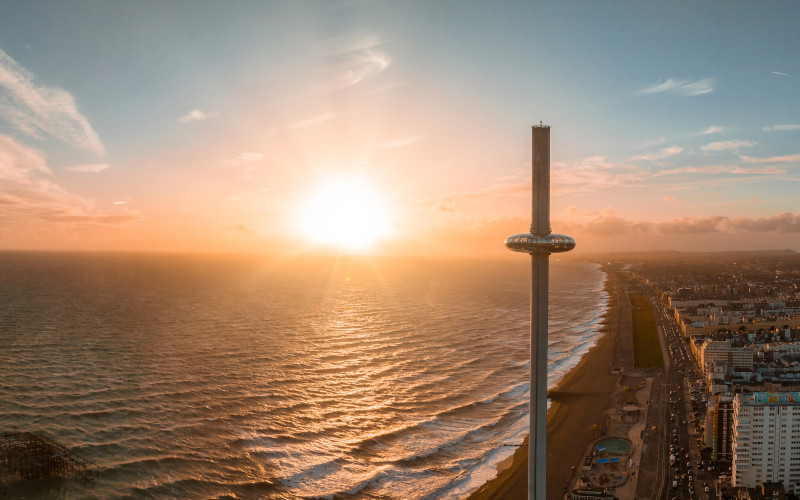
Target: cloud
[68,216]
[699,87]
[691,225]
[588,175]
[607,233]
[398,143]
[781,128]
[353,59]
[37,110]
[665,86]
[92,167]
[712,130]
[781,223]
[28,192]
[661,154]
[594,173]
[363,66]
[447,205]
[572,210]
[242,160]
[241,228]
[352,43]
[681,87]
[726,145]
[316,120]
[772,159]
[650,143]
[758,171]
[612,225]
[196,115]
[780,74]
[669,198]
[720,169]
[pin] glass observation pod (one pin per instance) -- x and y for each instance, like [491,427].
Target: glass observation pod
[529,243]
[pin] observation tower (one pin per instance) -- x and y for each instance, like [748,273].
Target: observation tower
[539,243]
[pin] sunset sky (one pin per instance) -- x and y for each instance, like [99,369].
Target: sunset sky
[214,126]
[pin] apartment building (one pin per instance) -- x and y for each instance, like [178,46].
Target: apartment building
[766,439]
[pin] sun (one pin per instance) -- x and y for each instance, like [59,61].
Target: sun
[347,213]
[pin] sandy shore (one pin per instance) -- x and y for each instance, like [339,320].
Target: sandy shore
[578,403]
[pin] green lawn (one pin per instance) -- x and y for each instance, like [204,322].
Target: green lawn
[646,348]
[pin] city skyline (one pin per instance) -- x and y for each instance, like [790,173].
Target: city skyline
[208,126]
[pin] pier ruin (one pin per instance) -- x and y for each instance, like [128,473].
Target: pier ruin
[24,455]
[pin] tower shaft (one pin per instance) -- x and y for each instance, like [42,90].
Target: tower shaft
[540,261]
[537,440]
[540,163]
[539,243]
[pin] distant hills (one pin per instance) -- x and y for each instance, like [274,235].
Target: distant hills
[674,255]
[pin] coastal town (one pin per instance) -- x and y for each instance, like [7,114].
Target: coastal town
[720,418]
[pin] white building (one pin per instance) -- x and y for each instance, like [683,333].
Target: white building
[713,353]
[713,350]
[766,439]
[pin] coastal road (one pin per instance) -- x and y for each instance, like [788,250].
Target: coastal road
[683,405]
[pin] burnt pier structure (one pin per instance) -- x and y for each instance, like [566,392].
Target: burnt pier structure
[24,455]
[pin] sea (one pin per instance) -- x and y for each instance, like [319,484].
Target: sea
[197,376]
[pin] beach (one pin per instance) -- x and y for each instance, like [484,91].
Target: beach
[578,403]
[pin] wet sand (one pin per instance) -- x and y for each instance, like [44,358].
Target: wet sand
[578,403]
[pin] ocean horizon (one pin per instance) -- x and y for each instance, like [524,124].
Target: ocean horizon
[244,377]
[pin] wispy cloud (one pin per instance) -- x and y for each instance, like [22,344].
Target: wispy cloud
[720,169]
[196,115]
[611,225]
[758,171]
[517,184]
[450,202]
[352,60]
[92,167]
[28,191]
[242,160]
[650,143]
[69,216]
[727,145]
[352,43]
[661,154]
[772,159]
[37,110]
[712,130]
[681,87]
[780,74]
[691,225]
[315,120]
[398,143]
[594,173]
[241,228]
[781,128]
[363,66]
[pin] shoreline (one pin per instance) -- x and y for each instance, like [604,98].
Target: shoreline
[577,403]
